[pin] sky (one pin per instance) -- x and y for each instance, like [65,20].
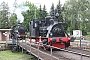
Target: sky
[18,11]
[48,3]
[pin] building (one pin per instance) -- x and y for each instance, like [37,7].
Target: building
[4,34]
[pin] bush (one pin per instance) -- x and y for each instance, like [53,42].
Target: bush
[84,32]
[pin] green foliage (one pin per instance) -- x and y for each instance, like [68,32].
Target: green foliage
[4,15]
[44,12]
[32,12]
[40,12]
[76,15]
[84,32]
[60,11]
[29,14]
[7,20]
[52,10]
[13,20]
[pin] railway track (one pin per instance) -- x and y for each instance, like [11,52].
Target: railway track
[44,54]
[70,54]
[60,54]
[80,52]
[73,54]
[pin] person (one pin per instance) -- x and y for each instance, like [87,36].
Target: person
[12,35]
[13,40]
[82,37]
[72,38]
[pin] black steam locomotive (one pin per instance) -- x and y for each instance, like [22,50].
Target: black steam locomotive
[47,27]
[51,31]
[18,31]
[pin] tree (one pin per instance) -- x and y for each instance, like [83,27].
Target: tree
[52,10]
[13,20]
[44,12]
[4,15]
[31,13]
[40,12]
[59,8]
[76,14]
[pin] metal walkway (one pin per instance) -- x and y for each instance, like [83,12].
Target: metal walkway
[36,52]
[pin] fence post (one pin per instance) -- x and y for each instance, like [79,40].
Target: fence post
[19,44]
[25,39]
[81,57]
[51,51]
[22,46]
[30,45]
[38,51]
[30,49]
[80,43]
[38,46]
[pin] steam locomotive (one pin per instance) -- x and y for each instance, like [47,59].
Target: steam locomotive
[50,32]
[18,31]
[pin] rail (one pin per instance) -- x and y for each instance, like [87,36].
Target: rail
[84,44]
[24,43]
[39,44]
[51,55]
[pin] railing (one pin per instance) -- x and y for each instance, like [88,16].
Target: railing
[38,46]
[84,44]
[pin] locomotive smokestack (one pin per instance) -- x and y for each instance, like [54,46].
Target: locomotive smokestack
[56,14]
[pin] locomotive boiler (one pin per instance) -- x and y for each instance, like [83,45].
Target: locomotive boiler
[18,31]
[51,31]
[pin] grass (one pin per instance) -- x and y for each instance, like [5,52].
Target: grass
[8,55]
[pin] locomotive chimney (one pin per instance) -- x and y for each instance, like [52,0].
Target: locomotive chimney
[56,14]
